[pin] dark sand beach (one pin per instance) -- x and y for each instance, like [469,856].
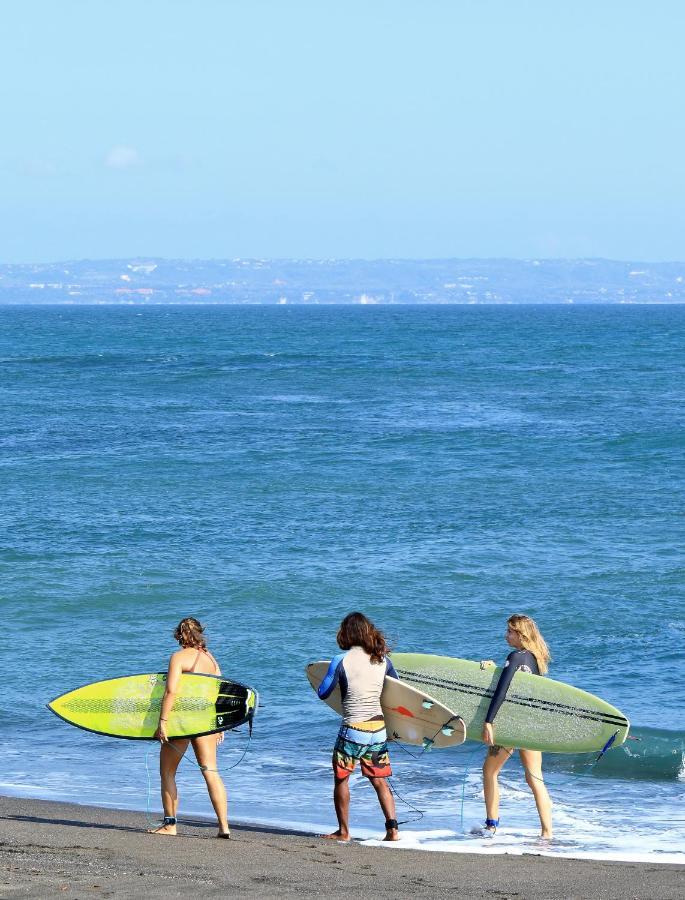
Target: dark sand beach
[63,850]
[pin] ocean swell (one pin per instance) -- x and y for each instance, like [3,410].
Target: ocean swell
[649,754]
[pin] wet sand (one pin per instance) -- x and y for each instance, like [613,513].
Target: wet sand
[63,850]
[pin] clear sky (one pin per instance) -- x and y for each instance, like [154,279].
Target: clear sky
[363,128]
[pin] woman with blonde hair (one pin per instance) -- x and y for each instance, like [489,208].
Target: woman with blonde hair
[192,657]
[530,654]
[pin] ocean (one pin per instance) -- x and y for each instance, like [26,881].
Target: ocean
[269,469]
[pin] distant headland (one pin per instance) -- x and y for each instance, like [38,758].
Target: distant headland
[149,281]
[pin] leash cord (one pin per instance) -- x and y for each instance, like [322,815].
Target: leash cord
[467,767]
[422,812]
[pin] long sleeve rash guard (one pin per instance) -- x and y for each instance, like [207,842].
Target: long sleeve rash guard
[361,683]
[522,660]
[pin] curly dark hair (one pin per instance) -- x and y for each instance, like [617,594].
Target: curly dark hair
[190,633]
[357,631]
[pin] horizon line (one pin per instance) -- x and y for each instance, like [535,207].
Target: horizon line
[348,259]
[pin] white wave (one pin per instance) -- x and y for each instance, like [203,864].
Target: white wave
[526,841]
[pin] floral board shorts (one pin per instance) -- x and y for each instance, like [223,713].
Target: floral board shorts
[364,742]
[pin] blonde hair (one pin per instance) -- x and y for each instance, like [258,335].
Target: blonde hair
[531,639]
[190,633]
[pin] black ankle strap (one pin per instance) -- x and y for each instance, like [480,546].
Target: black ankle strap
[391,825]
[169,820]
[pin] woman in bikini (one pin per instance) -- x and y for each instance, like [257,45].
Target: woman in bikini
[192,657]
[530,654]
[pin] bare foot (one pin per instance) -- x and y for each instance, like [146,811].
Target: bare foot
[546,836]
[168,830]
[392,835]
[336,836]
[226,835]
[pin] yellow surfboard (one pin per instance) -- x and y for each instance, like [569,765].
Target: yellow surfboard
[129,707]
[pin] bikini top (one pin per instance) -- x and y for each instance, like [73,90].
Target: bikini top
[217,670]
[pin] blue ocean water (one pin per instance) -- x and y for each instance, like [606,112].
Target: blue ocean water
[270,469]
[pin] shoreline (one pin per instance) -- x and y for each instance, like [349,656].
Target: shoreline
[420,841]
[51,848]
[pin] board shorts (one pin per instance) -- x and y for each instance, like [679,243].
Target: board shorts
[363,742]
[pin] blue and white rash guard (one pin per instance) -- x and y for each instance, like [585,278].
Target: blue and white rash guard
[361,683]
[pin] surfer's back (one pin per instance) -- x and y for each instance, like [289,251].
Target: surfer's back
[361,683]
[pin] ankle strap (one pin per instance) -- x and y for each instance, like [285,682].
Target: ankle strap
[491,823]
[169,820]
[391,825]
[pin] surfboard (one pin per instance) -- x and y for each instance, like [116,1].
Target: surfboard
[538,713]
[129,707]
[411,715]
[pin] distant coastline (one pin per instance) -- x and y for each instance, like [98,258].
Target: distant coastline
[153,281]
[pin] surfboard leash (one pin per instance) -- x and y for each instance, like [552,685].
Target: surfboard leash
[402,799]
[427,745]
[421,812]
[446,728]
[463,787]
[467,768]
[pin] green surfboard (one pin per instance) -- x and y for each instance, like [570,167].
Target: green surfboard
[129,707]
[538,713]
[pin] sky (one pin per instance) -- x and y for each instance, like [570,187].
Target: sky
[308,128]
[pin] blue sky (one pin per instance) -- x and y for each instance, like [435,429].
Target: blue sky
[286,128]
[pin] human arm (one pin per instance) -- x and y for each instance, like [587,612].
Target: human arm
[390,669]
[172,681]
[331,678]
[510,667]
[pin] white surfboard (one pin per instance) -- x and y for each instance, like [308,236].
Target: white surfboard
[411,716]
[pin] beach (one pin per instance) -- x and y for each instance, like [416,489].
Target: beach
[65,850]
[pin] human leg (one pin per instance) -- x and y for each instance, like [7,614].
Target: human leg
[341,802]
[205,753]
[532,763]
[170,756]
[495,759]
[345,756]
[375,765]
[387,802]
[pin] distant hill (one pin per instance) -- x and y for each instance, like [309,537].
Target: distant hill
[308,281]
